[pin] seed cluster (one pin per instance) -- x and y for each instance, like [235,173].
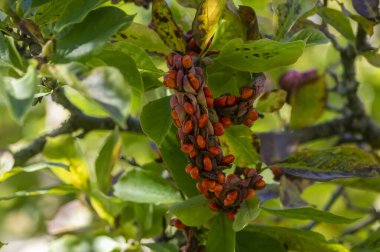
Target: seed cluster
[200,120]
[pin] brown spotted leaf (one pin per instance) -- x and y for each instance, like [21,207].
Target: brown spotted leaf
[249,19]
[206,21]
[259,55]
[332,163]
[271,101]
[166,27]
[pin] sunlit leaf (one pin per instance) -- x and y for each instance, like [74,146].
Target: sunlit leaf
[271,101]
[260,55]
[241,142]
[51,190]
[145,187]
[193,212]
[166,27]
[371,244]
[373,58]
[247,213]
[107,207]
[308,102]
[65,150]
[206,21]
[330,163]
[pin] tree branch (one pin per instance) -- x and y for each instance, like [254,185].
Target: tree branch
[77,121]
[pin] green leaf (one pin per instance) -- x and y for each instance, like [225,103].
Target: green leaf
[19,93]
[144,37]
[143,61]
[229,27]
[371,244]
[145,187]
[9,55]
[193,212]
[206,21]
[367,184]
[298,240]
[6,174]
[49,13]
[51,190]
[106,160]
[259,55]
[240,142]
[65,150]
[166,27]
[337,20]
[223,79]
[126,65]
[156,119]
[74,12]
[308,102]
[311,37]
[271,101]
[253,241]
[336,162]
[107,208]
[309,213]
[289,12]
[373,58]
[221,236]
[92,33]
[105,86]
[162,247]
[247,213]
[176,161]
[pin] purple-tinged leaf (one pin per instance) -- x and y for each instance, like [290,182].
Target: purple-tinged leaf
[290,193]
[271,191]
[367,8]
[276,146]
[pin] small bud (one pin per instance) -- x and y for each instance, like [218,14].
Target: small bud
[194,173]
[207,163]
[187,62]
[202,122]
[218,129]
[188,127]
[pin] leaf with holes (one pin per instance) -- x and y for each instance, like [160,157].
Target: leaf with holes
[336,162]
[259,55]
[241,142]
[166,27]
[206,21]
[271,101]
